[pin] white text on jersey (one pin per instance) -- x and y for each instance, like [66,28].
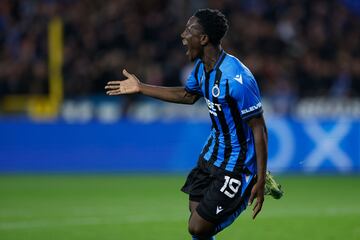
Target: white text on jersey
[252,108]
[213,107]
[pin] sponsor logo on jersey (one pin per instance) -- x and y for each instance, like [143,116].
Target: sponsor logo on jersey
[213,107]
[251,109]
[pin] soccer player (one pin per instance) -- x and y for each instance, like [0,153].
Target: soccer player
[231,169]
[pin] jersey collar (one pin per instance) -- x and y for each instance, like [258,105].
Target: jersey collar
[218,62]
[220,59]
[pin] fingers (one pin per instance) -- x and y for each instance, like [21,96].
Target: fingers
[257,207]
[256,212]
[115,89]
[113,82]
[126,86]
[251,199]
[111,93]
[117,83]
[112,86]
[116,92]
[255,192]
[126,74]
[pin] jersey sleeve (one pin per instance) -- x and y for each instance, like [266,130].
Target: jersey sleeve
[245,91]
[192,83]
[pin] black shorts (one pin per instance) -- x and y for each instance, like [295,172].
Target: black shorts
[220,193]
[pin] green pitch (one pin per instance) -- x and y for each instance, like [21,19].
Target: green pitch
[152,207]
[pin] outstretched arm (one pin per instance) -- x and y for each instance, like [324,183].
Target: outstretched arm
[133,85]
[259,130]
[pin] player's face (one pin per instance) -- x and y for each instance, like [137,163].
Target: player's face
[191,38]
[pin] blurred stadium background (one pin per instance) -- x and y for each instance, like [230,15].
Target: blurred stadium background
[77,164]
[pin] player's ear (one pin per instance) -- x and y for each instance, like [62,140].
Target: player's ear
[204,39]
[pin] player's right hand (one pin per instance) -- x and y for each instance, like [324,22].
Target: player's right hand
[128,86]
[258,192]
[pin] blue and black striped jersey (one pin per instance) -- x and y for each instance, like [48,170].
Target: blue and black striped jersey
[232,97]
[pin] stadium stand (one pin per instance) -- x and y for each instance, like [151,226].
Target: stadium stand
[292,47]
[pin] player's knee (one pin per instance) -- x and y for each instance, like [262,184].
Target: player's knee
[199,231]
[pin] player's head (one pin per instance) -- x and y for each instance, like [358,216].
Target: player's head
[214,24]
[206,26]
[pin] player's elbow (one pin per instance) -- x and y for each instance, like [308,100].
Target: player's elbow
[191,99]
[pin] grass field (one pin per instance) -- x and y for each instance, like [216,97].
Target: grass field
[152,207]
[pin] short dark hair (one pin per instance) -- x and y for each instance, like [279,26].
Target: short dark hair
[214,23]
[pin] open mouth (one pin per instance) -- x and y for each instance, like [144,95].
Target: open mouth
[185,43]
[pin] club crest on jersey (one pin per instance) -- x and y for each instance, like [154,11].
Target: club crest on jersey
[215,91]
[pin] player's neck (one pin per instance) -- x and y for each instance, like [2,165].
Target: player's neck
[211,56]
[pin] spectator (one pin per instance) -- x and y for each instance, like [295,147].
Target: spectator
[295,49]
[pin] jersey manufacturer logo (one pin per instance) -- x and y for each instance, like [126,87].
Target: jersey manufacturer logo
[219,209]
[215,91]
[239,78]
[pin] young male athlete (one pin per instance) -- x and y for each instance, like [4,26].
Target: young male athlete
[231,170]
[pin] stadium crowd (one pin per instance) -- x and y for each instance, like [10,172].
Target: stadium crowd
[295,49]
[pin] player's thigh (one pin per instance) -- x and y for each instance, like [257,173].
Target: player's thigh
[223,197]
[193,205]
[197,183]
[198,226]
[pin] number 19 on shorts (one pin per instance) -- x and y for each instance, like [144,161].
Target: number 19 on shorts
[230,187]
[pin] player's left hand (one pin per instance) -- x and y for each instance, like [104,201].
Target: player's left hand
[257,191]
